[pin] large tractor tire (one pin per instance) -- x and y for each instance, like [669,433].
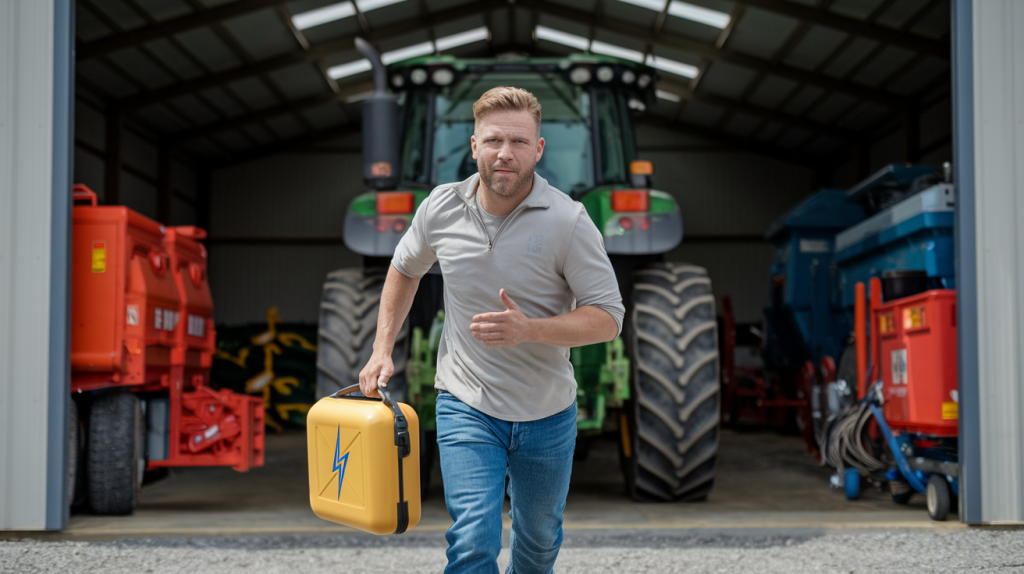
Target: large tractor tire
[670,438]
[116,458]
[348,328]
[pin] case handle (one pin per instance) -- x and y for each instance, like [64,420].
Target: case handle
[401,424]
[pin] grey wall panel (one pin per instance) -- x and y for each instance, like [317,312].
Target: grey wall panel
[89,170]
[35,116]
[738,269]
[939,155]
[139,153]
[888,149]
[936,122]
[247,279]
[998,71]
[182,213]
[285,196]
[90,126]
[279,201]
[138,194]
[185,180]
[724,193]
[966,268]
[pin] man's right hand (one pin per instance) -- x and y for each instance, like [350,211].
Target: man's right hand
[376,374]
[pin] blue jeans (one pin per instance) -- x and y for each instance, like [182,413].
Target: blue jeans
[477,452]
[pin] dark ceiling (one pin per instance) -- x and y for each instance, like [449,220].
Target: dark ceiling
[808,81]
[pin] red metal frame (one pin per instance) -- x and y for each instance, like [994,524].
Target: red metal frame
[139,328]
[768,406]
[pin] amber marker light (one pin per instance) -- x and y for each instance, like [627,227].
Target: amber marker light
[630,200]
[641,167]
[394,202]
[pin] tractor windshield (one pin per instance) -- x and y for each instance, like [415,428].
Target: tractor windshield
[439,123]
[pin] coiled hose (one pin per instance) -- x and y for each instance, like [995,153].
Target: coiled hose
[842,440]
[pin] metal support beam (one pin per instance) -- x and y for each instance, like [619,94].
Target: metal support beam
[315,53]
[112,165]
[939,49]
[708,51]
[124,40]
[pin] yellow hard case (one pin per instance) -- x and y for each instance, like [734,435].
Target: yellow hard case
[355,445]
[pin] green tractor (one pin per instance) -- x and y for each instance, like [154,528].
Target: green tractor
[656,387]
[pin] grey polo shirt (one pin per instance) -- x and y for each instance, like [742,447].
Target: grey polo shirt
[547,255]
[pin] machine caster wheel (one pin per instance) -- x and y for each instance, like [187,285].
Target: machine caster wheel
[900,491]
[851,483]
[938,495]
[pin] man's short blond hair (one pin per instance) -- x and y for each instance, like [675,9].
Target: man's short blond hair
[506,98]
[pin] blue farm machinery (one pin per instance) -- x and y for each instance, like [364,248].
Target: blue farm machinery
[833,359]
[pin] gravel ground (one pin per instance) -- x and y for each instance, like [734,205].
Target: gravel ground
[587,552]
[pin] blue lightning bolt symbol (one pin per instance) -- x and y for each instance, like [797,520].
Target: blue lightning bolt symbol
[340,462]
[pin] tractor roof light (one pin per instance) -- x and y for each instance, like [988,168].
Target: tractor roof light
[442,76]
[579,75]
[398,80]
[418,76]
[628,76]
[394,202]
[605,74]
[631,200]
[643,81]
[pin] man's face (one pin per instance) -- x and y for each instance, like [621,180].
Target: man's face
[507,146]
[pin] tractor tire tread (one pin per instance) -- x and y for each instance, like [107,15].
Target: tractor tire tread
[674,349]
[349,307]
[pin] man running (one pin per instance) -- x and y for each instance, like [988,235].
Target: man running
[526,277]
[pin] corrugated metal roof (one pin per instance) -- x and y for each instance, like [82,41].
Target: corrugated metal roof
[805,74]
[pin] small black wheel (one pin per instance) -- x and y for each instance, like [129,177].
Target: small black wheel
[901,491]
[116,457]
[938,495]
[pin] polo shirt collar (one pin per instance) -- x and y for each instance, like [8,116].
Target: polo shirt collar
[538,196]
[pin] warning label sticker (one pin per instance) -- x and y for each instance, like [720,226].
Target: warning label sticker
[133,314]
[950,411]
[196,325]
[99,256]
[899,366]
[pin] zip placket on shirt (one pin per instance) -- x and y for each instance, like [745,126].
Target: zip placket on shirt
[511,216]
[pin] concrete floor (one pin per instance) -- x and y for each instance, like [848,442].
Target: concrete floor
[765,481]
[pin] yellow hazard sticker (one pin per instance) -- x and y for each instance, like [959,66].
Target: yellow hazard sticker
[950,411]
[99,256]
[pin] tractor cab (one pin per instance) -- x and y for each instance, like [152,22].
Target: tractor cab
[588,103]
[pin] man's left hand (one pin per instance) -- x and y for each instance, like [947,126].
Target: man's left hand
[509,327]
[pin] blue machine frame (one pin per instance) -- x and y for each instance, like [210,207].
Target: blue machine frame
[831,241]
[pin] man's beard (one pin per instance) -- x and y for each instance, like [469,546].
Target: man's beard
[506,187]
